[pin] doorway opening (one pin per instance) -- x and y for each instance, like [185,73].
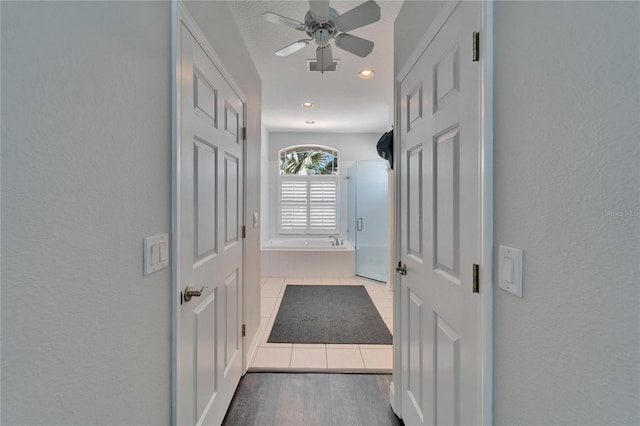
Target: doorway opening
[353,357]
[325,223]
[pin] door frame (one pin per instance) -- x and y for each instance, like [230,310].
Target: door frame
[486,203]
[179,15]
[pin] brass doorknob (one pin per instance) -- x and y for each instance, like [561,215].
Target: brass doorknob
[189,292]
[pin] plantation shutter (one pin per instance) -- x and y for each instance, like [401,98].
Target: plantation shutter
[293,205]
[322,205]
[308,205]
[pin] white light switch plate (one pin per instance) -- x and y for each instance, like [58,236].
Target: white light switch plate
[155,253]
[510,269]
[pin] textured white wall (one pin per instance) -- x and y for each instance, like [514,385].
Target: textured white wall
[567,108]
[350,146]
[218,24]
[86,174]
[411,23]
[86,155]
[264,185]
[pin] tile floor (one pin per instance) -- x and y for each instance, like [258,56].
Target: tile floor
[313,357]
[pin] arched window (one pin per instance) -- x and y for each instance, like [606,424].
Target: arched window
[308,160]
[308,190]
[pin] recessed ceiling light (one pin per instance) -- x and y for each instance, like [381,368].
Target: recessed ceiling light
[366,74]
[310,122]
[307,105]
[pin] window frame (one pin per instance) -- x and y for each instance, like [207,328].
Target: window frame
[308,228]
[297,148]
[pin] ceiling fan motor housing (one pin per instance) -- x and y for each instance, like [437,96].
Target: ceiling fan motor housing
[321,32]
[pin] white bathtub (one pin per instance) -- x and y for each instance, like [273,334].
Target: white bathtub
[312,244]
[306,257]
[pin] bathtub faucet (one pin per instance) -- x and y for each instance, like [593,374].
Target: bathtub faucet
[335,241]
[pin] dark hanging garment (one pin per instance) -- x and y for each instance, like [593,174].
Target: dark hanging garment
[385,147]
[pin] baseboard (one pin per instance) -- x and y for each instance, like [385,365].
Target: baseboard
[253,347]
[322,370]
[392,398]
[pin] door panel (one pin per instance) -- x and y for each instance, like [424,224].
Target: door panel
[205,175]
[414,201]
[448,374]
[209,361]
[414,107]
[446,201]
[446,78]
[415,354]
[205,352]
[232,343]
[232,197]
[440,239]
[205,97]
[231,122]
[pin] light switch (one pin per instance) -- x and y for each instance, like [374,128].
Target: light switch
[510,266]
[155,253]
[164,248]
[255,219]
[507,270]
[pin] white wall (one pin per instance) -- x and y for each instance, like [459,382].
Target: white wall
[264,185]
[411,23]
[567,111]
[567,102]
[86,174]
[86,155]
[350,146]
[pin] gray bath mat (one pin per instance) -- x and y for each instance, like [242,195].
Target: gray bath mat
[328,314]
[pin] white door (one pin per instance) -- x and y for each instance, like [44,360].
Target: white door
[209,342]
[440,215]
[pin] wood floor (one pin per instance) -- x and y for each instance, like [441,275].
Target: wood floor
[283,399]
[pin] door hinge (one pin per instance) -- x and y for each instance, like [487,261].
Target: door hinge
[244,330]
[476,278]
[476,47]
[244,231]
[244,133]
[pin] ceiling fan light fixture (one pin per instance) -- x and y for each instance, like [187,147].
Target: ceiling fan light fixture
[366,73]
[313,65]
[307,105]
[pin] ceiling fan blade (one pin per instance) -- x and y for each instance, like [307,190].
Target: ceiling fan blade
[365,14]
[320,10]
[324,57]
[356,45]
[274,18]
[293,47]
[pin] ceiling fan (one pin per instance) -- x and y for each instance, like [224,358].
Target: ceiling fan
[322,23]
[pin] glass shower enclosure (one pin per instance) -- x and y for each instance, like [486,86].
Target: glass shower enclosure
[368,214]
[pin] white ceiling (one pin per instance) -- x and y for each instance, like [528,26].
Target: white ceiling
[342,101]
